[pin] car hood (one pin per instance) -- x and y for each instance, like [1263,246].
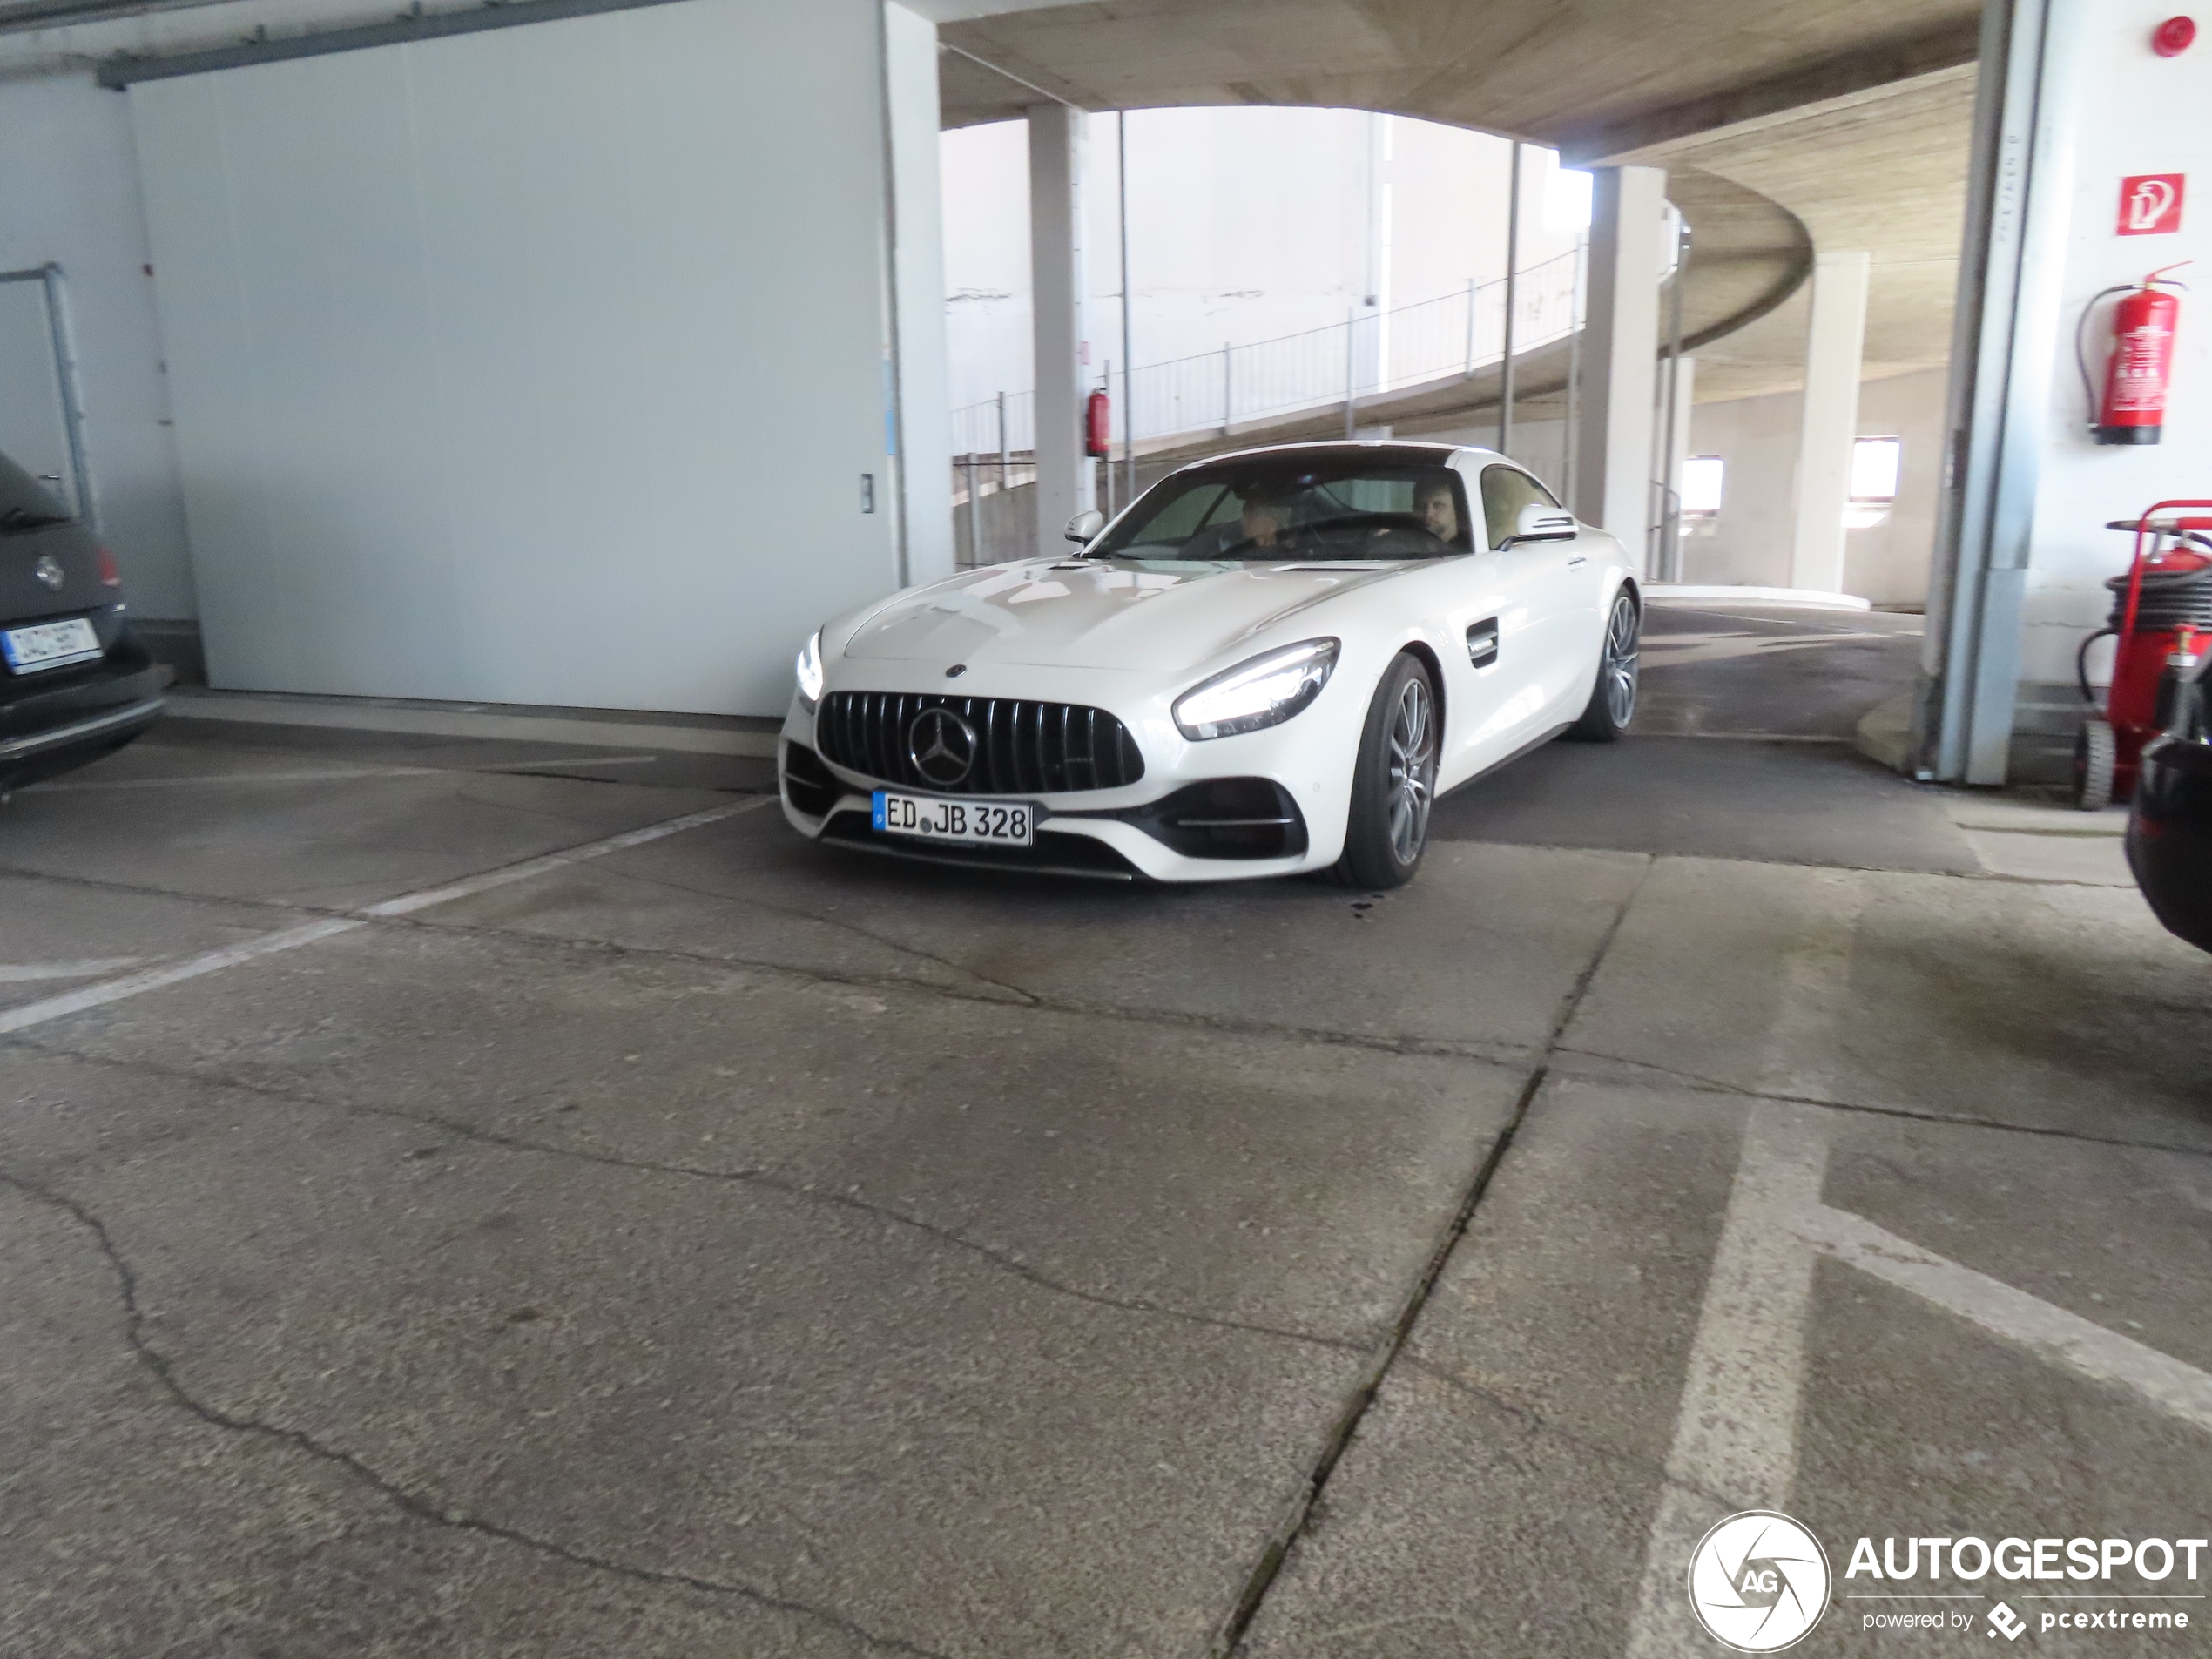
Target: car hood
[1100,613]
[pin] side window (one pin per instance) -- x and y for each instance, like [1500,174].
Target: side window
[1506,491]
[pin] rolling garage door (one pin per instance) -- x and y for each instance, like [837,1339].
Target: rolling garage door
[540,365]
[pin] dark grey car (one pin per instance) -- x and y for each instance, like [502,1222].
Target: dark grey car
[73,683]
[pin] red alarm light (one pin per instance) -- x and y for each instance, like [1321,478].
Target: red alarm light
[2174,36]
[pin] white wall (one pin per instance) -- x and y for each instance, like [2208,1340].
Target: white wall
[1245,224]
[1748,541]
[536,364]
[2137,113]
[68,196]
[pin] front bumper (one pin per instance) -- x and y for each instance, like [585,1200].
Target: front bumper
[1267,803]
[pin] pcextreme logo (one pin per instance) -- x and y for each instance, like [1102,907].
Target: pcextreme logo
[1758,1582]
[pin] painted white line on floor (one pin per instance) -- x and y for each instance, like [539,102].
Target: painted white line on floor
[19,973]
[211,962]
[214,961]
[1735,1445]
[2064,1339]
[330,774]
[1735,1430]
[408,903]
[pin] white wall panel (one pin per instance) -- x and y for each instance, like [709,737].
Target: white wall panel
[538,365]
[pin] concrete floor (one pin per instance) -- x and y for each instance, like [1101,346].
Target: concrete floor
[470,1196]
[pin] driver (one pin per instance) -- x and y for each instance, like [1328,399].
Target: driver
[1267,519]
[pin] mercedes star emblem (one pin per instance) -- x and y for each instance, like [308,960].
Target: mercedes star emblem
[49,570]
[941,745]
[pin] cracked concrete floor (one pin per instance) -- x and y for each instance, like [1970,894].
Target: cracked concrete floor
[710,1245]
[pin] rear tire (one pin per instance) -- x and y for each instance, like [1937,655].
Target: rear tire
[1394,782]
[1612,699]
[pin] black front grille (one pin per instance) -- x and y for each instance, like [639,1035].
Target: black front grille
[1022,748]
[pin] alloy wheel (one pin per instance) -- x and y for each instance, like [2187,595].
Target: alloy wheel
[1623,648]
[1411,784]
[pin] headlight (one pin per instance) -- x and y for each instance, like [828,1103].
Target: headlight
[810,670]
[1265,692]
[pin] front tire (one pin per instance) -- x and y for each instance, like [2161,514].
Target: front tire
[1394,782]
[1612,699]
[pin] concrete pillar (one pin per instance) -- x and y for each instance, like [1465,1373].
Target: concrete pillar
[1685,376]
[924,463]
[2033,124]
[1059,282]
[1620,355]
[1833,347]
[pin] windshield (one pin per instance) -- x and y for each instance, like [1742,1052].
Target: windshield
[1276,508]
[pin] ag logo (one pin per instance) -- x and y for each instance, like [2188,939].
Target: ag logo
[1758,1582]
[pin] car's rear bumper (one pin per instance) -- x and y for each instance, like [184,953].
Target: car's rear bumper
[44,732]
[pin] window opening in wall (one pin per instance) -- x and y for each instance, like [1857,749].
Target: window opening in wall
[1874,466]
[1700,486]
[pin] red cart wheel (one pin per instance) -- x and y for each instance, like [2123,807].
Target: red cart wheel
[2095,758]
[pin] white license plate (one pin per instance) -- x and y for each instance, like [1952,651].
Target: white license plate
[979,823]
[49,645]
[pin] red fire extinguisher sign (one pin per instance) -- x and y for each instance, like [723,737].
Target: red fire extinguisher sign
[2150,204]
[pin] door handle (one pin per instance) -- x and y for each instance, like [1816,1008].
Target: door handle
[1579,558]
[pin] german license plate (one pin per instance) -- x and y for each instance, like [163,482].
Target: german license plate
[979,823]
[49,645]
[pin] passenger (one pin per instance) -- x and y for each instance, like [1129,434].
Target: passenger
[1439,512]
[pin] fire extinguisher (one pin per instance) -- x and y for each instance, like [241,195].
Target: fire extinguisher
[1098,426]
[2133,408]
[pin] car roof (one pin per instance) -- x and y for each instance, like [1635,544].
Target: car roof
[1400,449]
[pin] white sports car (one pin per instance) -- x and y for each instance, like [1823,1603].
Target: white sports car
[1269,662]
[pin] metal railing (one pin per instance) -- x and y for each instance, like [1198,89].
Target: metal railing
[1368,357]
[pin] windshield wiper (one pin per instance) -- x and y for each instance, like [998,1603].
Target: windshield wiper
[18,521]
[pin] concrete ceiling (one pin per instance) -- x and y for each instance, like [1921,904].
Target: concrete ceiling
[1885,172]
[1590,77]
[1848,122]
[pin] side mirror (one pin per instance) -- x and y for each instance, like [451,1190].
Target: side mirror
[1540,523]
[1085,525]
